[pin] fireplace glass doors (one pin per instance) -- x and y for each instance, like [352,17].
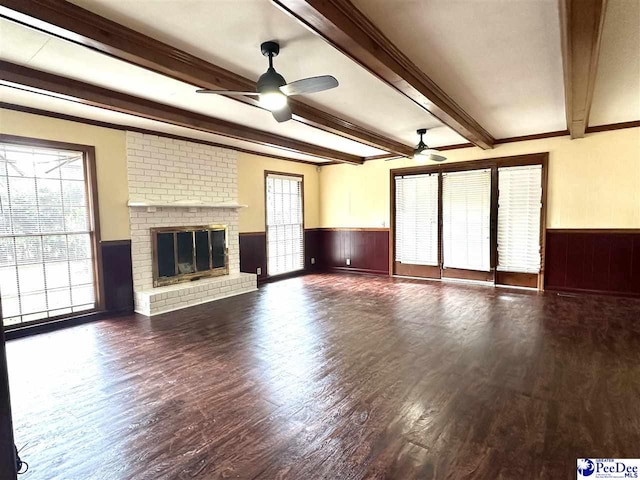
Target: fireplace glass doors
[184,254]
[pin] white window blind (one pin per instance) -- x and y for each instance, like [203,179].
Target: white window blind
[417,219]
[284,224]
[466,210]
[46,253]
[519,205]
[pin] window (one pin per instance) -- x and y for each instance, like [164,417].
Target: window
[486,216]
[466,210]
[417,219]
[519,205]
[46,234]
[284,223]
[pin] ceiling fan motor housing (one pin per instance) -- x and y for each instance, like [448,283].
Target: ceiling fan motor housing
[270,81]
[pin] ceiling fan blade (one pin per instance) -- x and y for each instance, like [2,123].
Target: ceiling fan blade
[437,158]
[227,92]
[309,85]
[283,114]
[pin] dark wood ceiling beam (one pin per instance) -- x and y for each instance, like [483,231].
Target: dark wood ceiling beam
[341,24]
[146,131]
[581,24]
[70,22]
[73,90]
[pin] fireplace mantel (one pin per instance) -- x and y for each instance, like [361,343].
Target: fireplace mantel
[150,205]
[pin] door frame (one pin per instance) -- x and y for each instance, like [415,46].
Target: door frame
[266,226]
[506,278]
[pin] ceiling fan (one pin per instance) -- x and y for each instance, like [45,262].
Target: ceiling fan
[273,90]
[422,152]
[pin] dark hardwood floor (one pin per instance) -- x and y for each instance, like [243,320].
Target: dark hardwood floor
[335,377]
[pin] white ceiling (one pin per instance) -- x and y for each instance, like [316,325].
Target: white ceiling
[500,60]
[228,33]
[616,96]
[50,54]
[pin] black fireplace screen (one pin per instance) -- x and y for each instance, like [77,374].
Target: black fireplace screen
[182,254]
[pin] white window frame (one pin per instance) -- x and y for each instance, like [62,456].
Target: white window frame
[93,299]
[519,219]
[478,233]
[284,225]
[416,202]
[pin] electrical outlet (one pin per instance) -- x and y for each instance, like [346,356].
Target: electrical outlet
[348,261]
[259,271]
[313,261]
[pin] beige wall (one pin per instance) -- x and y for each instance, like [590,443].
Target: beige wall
[251,170]
[594,182]
[111,161]
[111,166]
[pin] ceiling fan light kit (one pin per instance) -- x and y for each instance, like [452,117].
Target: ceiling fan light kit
[273,90]
[273,100]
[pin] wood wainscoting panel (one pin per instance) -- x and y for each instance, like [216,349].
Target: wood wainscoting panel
[555,262]
[517,279]
[367,250]
[253,253]
[117,275]
[312,249]
[621,253]
[464,274]
[424,271]
[598,261]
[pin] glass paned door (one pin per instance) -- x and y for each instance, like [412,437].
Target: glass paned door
[285,231]
[466,220]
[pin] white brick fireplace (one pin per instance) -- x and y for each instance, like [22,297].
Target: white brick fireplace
[179,183]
